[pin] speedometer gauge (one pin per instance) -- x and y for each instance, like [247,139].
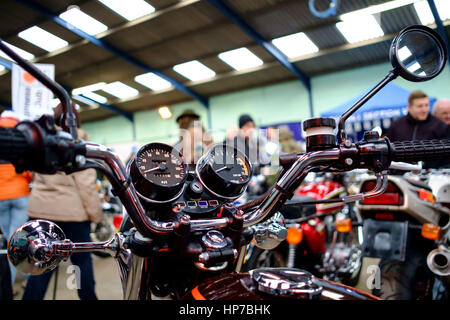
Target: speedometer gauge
[224,171]
[158,172]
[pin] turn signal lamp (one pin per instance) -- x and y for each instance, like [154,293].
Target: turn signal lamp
[431,231]
[426,195]
[344,225]
[294,235]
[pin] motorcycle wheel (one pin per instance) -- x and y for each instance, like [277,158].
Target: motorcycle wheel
[408,280]
[264,258]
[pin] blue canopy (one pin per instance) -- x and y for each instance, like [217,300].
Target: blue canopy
[389,102]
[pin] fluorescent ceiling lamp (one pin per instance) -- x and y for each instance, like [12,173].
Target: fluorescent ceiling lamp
[2,68]
[129,9]
[20,52]
[165,113]
[295,45]
[152,81]
[426,16]
[82,21]
[43,39]
[94,96]
[120,90]
[240,59]
[89,88]
[377,8]
[194,70]
[360,28]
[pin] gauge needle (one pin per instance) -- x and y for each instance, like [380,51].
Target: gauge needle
[223,168]
[160,167]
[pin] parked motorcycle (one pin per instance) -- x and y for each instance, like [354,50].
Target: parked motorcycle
[407,229]
[307,232]
[183,220]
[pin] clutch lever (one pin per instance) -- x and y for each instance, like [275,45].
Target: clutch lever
[380,187]
[404,166]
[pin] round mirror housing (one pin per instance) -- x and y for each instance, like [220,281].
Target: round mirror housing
[418,53]
[29,244]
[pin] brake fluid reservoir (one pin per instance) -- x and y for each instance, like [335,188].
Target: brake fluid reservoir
[319,133]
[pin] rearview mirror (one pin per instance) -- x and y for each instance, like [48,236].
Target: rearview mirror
[27,247]
[418,53]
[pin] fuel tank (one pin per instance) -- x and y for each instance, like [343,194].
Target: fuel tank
[274,284]
[323,190]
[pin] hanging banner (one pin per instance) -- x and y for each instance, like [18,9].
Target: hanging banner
[30,98]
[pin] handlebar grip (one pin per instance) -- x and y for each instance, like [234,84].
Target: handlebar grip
[13,144]
[420,150]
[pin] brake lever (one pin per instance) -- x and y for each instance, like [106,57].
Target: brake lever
[404,166]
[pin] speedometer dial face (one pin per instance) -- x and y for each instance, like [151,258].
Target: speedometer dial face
[161,166]
[224,171]
[158,172]
[229,164]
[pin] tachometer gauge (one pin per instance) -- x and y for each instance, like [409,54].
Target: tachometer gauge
[224,171]
[158,172]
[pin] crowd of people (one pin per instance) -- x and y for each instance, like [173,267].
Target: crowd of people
[72,200]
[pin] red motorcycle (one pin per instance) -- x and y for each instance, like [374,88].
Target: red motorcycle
[182,237]
[307,236]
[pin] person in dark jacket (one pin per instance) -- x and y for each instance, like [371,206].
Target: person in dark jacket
[419,124]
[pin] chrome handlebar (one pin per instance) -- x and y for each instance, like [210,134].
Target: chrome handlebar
[292,177]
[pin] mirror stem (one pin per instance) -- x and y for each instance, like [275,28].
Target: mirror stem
[341,126]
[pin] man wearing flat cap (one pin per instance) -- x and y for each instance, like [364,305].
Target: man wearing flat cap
[193,140]
[185,119]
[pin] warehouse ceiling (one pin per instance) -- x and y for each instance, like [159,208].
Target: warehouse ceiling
[182,31]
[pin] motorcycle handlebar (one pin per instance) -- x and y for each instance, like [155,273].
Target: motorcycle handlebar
[422,150]
[13,144]
[18,144]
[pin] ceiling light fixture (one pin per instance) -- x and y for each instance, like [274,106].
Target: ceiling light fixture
[120,90]
[152,81]
[360,28]
[426,16]
[129,9]
[43,39]
[89,88]
[240,59]
[295,45]
[194,70]
[83,21]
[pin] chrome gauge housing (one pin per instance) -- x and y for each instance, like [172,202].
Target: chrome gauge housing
[158,173]
[224,171]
